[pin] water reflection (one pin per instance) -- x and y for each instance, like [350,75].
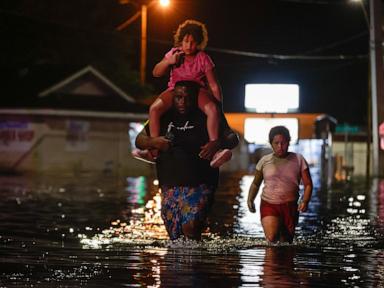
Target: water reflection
[144,227]
[249,223]
[339,240]
[275,269]
[380,197]
[193,268]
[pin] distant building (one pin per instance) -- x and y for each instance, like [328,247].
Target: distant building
[79,123]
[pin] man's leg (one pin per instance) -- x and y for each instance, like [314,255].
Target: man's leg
[192,230]
[196,203]
[170,211]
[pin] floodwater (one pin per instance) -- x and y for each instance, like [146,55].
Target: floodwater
[105,231]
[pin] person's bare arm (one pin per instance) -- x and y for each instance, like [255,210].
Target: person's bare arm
[143,141]
[253,190]
[230,139]
[162,68]
[209,149]
[308,186]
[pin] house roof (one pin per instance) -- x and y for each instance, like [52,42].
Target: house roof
[84,74]
[62,88]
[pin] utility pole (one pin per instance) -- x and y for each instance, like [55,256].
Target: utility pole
[377,84]
[143,39]
[143,54]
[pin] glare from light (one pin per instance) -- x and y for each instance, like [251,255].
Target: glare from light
[271,98]
[164,3]
[256,130]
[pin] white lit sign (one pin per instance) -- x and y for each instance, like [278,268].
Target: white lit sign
[256,130]
[271,98]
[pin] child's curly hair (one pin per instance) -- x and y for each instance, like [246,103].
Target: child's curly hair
[196,29]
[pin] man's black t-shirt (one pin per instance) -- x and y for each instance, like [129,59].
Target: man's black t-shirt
[181,164]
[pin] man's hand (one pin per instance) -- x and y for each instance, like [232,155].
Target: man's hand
[209,149]
[160,143]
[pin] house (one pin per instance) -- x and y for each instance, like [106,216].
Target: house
[79,123]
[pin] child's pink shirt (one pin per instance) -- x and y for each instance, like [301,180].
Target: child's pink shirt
[190,70]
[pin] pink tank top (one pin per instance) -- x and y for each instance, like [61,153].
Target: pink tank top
[192,70]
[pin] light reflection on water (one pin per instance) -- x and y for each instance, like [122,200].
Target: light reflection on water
[103,232]
[248,223]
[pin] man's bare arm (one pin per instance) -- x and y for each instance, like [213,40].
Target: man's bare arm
[143,141]
[229,140]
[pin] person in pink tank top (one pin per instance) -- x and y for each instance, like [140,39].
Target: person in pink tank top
[187,61]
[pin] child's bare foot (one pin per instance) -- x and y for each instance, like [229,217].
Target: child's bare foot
[143,155]
[221,157]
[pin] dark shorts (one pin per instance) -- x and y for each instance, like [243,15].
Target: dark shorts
[183,204]
[286,212]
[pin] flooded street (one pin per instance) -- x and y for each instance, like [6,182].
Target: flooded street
[106,232]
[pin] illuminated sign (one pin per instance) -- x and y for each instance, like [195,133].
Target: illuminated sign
[272,98]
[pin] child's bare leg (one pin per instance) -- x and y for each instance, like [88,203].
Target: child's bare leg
[271,227]
[161,104]
[209,107]
[212,110]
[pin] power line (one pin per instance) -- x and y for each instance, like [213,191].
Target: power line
[337,43]
[288,57]
[231,51]
[277,56]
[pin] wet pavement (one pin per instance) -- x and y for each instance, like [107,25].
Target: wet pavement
[106,232]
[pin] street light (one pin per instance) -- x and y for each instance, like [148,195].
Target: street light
[361,3]
[164,3]
[143,41]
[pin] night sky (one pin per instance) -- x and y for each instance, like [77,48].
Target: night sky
[323,30]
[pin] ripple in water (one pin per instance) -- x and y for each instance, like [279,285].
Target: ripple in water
[147,230]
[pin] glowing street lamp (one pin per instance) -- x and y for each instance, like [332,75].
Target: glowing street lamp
[144,21]
[361,3]
[164,3]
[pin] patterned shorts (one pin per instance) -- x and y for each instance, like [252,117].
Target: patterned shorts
[183,204]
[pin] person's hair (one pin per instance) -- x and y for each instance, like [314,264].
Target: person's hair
[279,130]
[196,29]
